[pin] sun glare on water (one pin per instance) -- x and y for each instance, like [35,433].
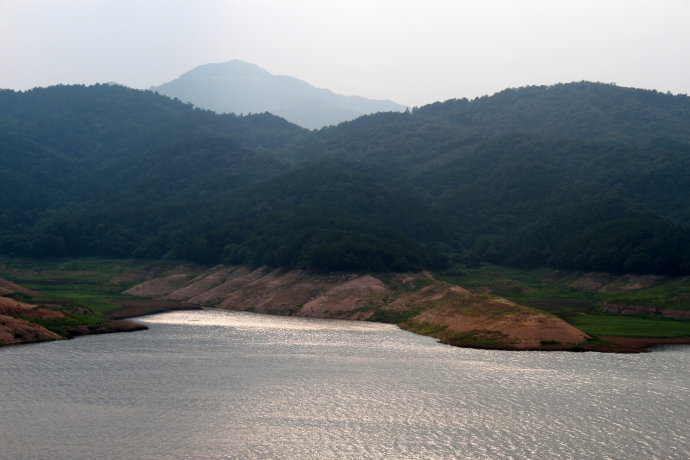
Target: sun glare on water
[248,320]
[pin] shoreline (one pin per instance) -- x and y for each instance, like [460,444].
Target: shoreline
[133,308]
[416,302]
[119,321]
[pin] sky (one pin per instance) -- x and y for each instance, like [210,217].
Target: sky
[413,52]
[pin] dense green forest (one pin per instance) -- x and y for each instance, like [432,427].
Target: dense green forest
[583,176]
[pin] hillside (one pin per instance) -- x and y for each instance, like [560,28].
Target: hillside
[583,175]
[242,88]
[152,177]
[580,176]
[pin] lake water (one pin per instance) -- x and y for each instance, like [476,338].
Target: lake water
[216,384]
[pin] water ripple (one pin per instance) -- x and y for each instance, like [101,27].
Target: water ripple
[215,384]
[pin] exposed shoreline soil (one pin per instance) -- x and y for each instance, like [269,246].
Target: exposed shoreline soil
[133,308]
[415,301]
[30,321]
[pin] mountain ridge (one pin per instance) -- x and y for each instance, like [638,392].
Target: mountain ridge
[111,171]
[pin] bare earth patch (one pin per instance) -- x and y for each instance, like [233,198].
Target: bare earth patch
[11,307]
[343,299]
[19,321]
[16,330]
[480,320]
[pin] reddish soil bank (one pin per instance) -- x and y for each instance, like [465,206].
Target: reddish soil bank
[17,320]
[16,330]
[493,322]
[426,305]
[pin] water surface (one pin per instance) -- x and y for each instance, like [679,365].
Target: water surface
[217,384]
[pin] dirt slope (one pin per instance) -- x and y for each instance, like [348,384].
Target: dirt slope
[20,330]
[17,320]
[418,301]
[494,322]
[16,330]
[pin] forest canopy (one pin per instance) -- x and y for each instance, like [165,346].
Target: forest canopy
[583,176]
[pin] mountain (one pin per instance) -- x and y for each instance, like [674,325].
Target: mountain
[113,171]
[242,88]
[57,142]
[582,176]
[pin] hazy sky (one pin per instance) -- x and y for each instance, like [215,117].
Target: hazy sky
[413,52]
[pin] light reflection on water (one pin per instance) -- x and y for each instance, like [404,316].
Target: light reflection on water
[246,320]
[217,384]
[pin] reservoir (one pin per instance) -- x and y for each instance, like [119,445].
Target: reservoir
[221,384]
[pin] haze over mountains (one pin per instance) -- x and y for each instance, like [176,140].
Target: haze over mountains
[581,176]
[243,88]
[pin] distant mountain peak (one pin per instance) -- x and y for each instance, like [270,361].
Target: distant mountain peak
[230,69]
[241,87]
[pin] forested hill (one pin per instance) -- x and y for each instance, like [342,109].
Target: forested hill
[106,170]
[104,120]
[583,111]
[584,175]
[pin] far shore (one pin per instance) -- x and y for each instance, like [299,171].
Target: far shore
[133,308]
[419,302]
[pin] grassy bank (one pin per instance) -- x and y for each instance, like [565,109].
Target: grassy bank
[86,292]
[579,298]
[631,326]
[89,282]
